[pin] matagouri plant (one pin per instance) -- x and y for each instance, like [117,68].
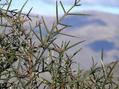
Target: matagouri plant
[26,56]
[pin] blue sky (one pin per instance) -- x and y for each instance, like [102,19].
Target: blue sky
[47,7]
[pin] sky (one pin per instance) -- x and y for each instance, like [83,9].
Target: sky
[47,7]
[99,31]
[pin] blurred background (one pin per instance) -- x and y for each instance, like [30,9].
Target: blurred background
[99,29]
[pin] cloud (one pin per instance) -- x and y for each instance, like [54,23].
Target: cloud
[92,2]
[101,2]
[68,2]
[47,7]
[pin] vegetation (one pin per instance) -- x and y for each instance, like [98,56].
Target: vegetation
[26,56]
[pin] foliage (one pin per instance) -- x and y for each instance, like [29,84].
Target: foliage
[26,55]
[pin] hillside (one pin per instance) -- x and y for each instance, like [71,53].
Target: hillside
[99,29]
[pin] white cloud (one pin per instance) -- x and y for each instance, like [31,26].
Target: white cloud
[93,2]
[101,2]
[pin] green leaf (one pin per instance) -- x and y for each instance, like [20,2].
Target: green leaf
[102,55]
[65,25]
[19,13]
[69,35]
[75,44]
[40,30]
[45,25]
[62,7]
[76,3]
[57,18]
[75,53]
[35,33]
[29,13]
[8,6]
[79,14]
[66,45]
